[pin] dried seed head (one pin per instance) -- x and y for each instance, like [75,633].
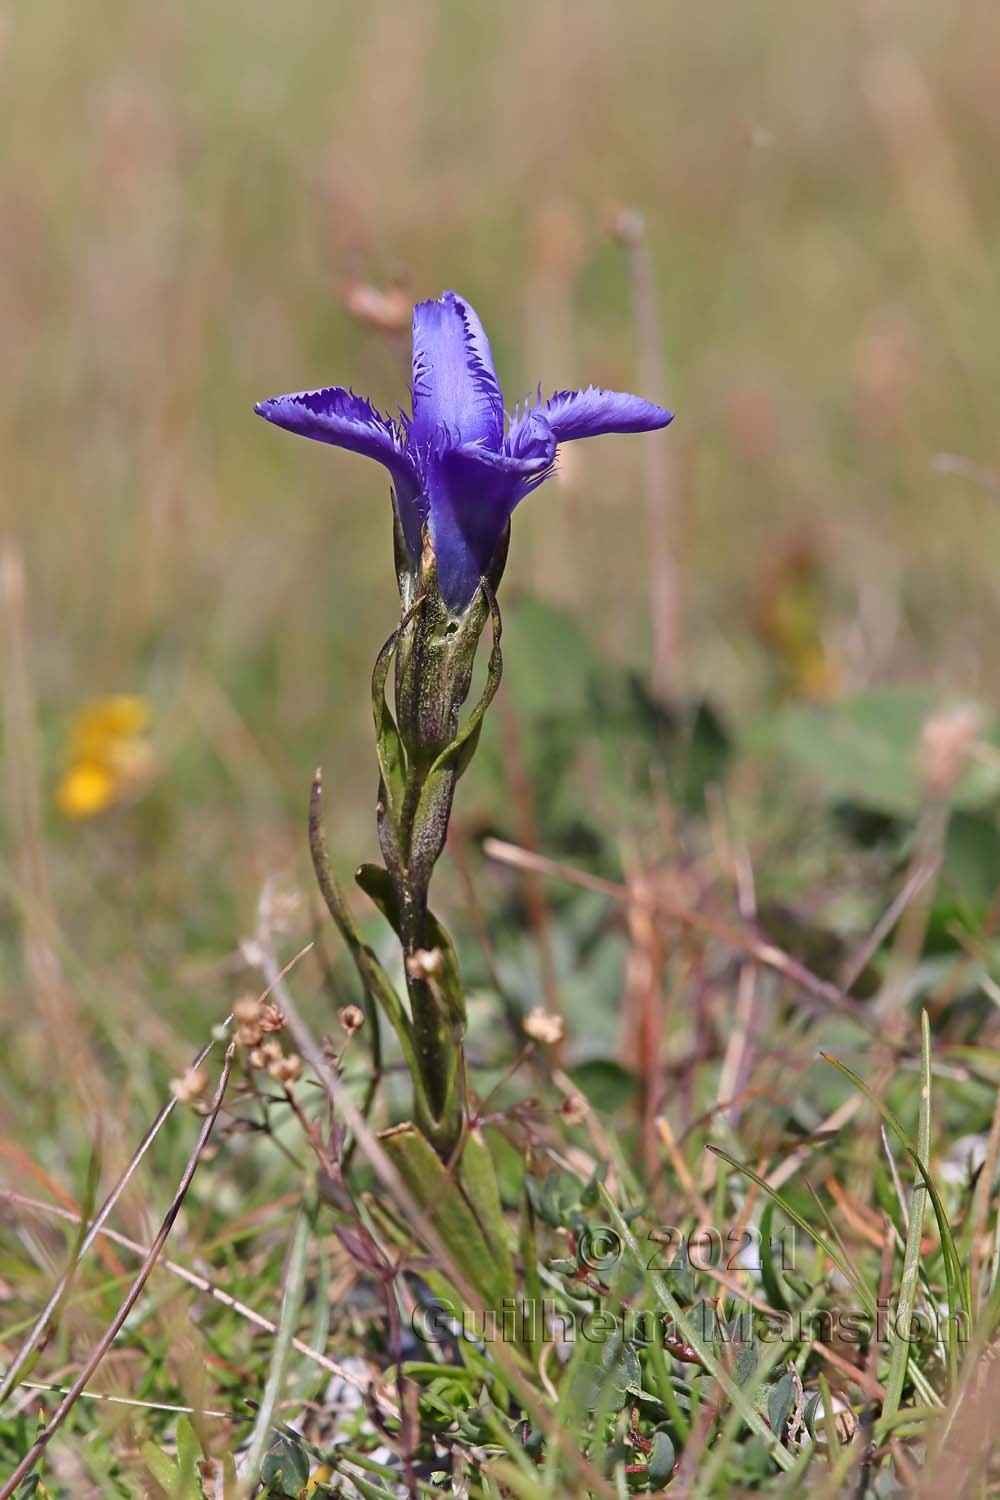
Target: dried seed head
[574,1110]
[256,1058]
[352,1018]
[190,1086]
[946,742]
[425,963]
[272,1018]
[286,1069]
[247,1010]
[247,1036]
[544,1026]
[270,1050]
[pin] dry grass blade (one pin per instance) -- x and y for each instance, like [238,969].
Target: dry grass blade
[40,1327]
[203,1284]
[135,1291]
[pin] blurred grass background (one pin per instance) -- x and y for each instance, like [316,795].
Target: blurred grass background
[190,195]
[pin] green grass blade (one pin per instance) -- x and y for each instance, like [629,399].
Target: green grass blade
[958,1289]
[291,1304]
[899,1358]
[830,1251]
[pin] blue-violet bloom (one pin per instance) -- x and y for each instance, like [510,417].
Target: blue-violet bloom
[457,465]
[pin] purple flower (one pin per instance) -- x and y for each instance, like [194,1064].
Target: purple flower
[457,465]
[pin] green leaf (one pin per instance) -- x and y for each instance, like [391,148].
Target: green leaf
[164,1470]
[661,1458]
[865,750]
[388,744]
[779,1404]
[188,1448]
[607,1376]
[285,1469]
[809,1415]
[747,1359]
[469,1230]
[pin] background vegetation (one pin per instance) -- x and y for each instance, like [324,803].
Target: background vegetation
[200,206]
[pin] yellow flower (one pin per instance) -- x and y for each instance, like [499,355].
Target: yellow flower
[85,789]
[109,756]
[107,720]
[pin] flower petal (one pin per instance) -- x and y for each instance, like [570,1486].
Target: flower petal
[348,421]
[455,388]
[471,493]
[580,414]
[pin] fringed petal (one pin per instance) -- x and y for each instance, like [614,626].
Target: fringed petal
[348,421]
[455,388]
[591,412]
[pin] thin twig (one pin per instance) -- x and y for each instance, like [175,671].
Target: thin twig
[109,1400]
